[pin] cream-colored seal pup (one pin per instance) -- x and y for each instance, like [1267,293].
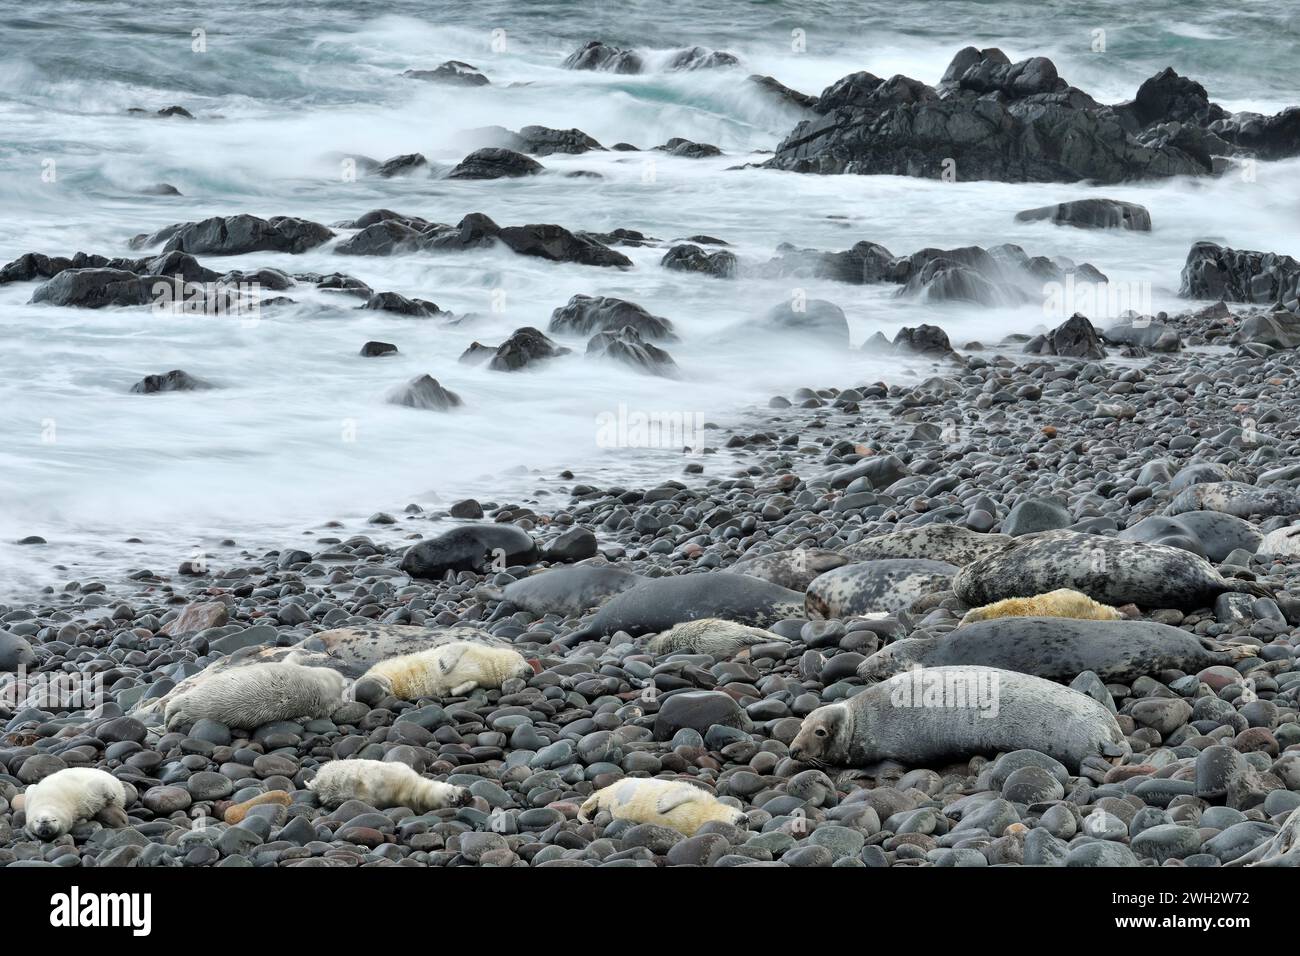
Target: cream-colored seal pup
[247,697]
[55,804]
[667,803]
[451,670]
[383,784]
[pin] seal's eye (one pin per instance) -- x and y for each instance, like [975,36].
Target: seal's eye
[820,732]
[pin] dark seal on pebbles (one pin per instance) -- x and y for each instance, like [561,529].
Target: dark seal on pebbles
[1106,569]
[1059,649]
[657,604]
[472,547]
[875,587]
[936,542]
[950,713]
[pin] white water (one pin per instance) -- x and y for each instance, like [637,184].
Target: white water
[299,432]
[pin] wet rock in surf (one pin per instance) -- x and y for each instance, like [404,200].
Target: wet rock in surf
[526,346]
[401,305]
[699,58]
[773,87]
[549,241]
[585,314]
[814,319]
[1239,275]
[1146,334]
[378,349]
[95,289]
[405,165]
[178,112]
[424,392]
[691,258]
[177,380]
[384,238]
[1073,338]
[451,73]
[923,339]
[687,149]
[626,345]
[495,163]
[595,55]
[1092,214]
[237,235]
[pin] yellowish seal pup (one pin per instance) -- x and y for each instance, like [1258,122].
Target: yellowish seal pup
[248,697]
[667,803]
[1063,602]
[451,670]
[383,784]
[712,636]
[54,805]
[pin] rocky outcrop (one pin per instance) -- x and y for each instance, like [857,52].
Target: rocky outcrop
[923,340]
[526,346]
[549,241]
[424,392]
[237,235]
[404,165]
[627,346]
[452,73]
[1074,338]
[699,58]
[95,289]
[595,55]
[401,305]
[691,258]
[775,88]
[1238,275]
[495,163]
[177,380]
[1278,330]
[687,149]
[585,314]
[993,119]
[1092,214]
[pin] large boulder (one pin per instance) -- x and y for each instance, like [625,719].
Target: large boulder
[814,319]
[698,58]
[240,234]
[626,345]
[95,289]
[585,314]
[424,392]
[543,141]
[595,55]
[526,346]
[549,241]
[1239,275]
[177,380]
[1092,214]
[452,73]
[494,163]
[691,258]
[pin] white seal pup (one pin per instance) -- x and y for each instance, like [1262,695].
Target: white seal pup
[55,804]
[886,586]
[1106,569]
[1062,602]
[668,803]
[451,670]
[245,698]
[936,714]
[712,636]
[383,784]
[950,543]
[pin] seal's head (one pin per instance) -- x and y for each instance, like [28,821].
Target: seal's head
[888,661]
[47,824]
[825,737]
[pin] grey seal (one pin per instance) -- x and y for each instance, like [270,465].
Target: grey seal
[471,547]
[1106,569]
[937,542]
[568,590]
[656,604]
[1059,649]
[930,715]
[1236,498]
[875,587]
[712,636]
[793,569]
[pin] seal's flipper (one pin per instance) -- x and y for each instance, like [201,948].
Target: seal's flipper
[449,657]
[679,797]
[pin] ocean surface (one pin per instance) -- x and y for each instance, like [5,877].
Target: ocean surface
[299,432]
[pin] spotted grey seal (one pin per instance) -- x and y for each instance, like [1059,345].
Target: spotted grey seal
[1210,534]
[1059,649]
[793,569]
[569,590]
[1236,498]
[944,713]
[1106,569]
[875,587]
[656,604]
[936,542]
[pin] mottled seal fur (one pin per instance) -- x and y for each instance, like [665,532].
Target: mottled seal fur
[54,805]
[793,569]
[875,587]
[383,784]
[1106,569]
[1236,498]
[1059,603]
[710,635]
[450,670]
[656,604]
[666,803]
[906,719]
[1059,649]
[471,547]
[936,542]
[248,697]
[1281,541]
[568,591]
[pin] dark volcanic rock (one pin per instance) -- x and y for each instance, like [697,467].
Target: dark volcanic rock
[424,392]
[691,258]
[1237,275]
[403,165]
[688,149]
[382,238]
[94,289]
[237,235]
[814,319]
[925,339]
[1092,214]
[495,163]
[596,55]
[525,346]
[400,304]
[585,314]
[452,72]
[626,345]
[1074,338]
[549,241]
[774,87]
[376,349]
[543,141]
[1154,336]
[698,58]
[176,380]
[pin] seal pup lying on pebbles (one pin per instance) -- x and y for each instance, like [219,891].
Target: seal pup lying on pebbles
[1062,602]
[383,784]
[451,670]
[1236,498]
[793,569]
[667,803]
[656,604]
[568,591]
[1059,649]
[55,804]
[948,713]
[1282,541]
[1106,569]
[247,697]
[712,636]
[875,587]
[936,542]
